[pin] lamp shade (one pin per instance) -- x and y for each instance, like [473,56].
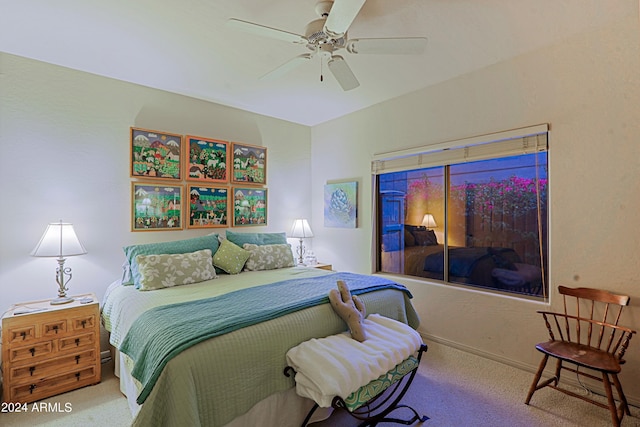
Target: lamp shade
[428,221]
[301,229]
[59,240]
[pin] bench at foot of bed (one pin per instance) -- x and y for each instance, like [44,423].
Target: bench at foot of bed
[379,406]
[324,368]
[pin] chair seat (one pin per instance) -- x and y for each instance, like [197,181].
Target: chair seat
[581,354]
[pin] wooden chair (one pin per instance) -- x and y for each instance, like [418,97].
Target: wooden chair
[587,336]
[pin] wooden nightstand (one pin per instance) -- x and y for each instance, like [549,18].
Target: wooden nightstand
[322,266]
[49,349]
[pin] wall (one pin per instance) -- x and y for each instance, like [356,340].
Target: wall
[64,154]
[587,88]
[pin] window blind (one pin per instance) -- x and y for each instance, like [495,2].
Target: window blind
[503,144]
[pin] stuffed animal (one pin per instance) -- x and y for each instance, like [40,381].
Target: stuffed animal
[350,309]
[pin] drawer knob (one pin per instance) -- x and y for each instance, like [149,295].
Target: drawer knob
[77,342]
[77,361]
[23,335]
[78,376]
[55,328]
[84,324]
[32,351]
[31,369]
[31,388]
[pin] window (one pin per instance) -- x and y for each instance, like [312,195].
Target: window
[473,214]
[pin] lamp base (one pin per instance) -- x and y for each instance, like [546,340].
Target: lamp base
[61,300]
[300,253]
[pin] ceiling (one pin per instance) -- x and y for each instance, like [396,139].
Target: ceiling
[185,47]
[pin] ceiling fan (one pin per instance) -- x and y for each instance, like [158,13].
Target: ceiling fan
[324,36]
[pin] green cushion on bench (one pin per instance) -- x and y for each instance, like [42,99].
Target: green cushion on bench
[367,392]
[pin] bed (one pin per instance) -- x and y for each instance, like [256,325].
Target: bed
[472,265]
[231,375]
[419,254]
[489,267]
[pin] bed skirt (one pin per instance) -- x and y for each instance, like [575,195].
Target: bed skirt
[281,409]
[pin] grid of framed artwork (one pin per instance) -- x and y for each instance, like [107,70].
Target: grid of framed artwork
[195,182]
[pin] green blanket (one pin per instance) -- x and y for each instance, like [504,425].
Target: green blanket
[161,333]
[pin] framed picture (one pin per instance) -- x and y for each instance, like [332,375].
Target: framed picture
[207,159]
[156,206]
[249,206]
[249,164]
[208,206]
[340,205]
[155,154]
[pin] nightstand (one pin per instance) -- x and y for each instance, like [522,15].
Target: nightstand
[49,349]
[322,266]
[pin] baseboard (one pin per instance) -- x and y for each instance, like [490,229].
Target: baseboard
[481,353]
[632,400]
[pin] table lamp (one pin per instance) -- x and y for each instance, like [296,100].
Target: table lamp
[301,230]
[60,240]
[428,221]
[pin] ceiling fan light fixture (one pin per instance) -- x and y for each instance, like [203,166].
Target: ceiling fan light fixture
[316,36]
[315,31]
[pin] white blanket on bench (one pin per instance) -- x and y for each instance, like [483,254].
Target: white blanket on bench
[339,365]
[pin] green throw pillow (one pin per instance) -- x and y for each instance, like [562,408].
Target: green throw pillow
[230,257]
[168,270]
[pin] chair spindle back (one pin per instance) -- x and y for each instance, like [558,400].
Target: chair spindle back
[597,311]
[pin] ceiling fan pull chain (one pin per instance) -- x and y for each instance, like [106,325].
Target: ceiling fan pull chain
[321,71]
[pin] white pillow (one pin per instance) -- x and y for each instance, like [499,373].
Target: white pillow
[268,257]
[168,270]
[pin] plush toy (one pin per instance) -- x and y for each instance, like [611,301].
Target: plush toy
[350,309]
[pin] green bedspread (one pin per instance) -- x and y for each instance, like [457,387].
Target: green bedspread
[151,343]
[219,379]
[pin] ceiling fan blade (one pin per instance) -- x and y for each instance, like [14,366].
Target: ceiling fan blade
[343,73]
[287,66]
[261,30]
[341,16]
[392,46]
